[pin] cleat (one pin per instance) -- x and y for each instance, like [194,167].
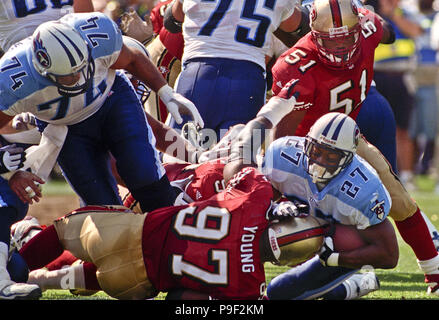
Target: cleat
[24,230]
[10,290]
[361,284]
[433,284]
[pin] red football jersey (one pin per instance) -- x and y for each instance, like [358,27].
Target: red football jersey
[157,14]
[172,41]
[211,246]
[319,89]
[198,181]
[207,178]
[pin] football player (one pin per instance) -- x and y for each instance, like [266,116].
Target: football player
[215,247]
[223,62]
[324,172]
[65,74]
[343,55]
[191,182]
[18,19]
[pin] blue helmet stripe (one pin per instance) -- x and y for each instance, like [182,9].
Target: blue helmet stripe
[338,129]
[72,60]
[328,126]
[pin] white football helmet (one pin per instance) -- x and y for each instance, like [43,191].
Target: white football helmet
[330,146]
[295,240]
[60,51]
[142,89]
[335,30]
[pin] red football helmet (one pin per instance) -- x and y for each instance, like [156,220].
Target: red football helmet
[335,30]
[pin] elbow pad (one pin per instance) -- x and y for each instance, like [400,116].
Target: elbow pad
[170,23]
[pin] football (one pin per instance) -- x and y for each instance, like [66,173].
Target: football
[346,238]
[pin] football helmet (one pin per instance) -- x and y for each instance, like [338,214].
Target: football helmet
[142,89]
[295,240]
[59,53]
[330,146]
[335,30]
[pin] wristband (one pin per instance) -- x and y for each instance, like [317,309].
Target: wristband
[333,259]
[165,93]
[276,108]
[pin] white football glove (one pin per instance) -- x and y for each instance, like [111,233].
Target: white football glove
[287,209]
[133,26]
[178,105]
[222,148]
[11,158]
[24,121]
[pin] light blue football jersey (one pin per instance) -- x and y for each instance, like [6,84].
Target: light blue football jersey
[23,89]
[356,196]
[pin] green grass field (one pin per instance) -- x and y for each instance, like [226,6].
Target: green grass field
[404,282]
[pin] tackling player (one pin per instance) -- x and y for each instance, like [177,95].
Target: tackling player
[212,248]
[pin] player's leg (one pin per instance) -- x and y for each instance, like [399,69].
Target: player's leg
[108,238]
[423,126]
[223,90]
[356,286]
[85,164]
[12,210]
[247,94]
[111,240]
[131,141]
[309,280]
[408,218]
[61,273]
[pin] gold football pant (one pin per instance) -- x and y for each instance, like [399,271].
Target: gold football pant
[170,67]
[112,240]
[403,206]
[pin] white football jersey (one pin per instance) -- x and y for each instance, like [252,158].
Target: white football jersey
[356,196]
[23,89]
[234,29]
[19,18]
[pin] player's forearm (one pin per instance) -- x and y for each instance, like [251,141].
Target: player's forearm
[380,252]
[250,139]
[170,142]
[370,255]
[147,72]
